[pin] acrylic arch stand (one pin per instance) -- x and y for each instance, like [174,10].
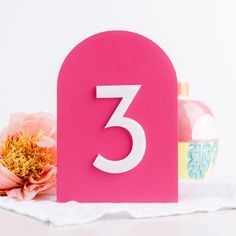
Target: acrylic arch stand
[117,121]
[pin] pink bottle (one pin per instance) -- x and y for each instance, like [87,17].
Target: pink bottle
[198,137]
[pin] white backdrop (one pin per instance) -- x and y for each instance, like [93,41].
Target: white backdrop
[199,37]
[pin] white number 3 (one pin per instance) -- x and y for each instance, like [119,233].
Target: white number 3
[127,93]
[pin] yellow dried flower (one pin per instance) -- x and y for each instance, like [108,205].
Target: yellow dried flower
[22,156]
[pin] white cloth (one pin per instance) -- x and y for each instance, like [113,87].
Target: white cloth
[194,196]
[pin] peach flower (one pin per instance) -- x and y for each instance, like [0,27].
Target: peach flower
[28,156]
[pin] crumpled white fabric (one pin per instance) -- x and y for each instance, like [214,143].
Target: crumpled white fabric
[194,196]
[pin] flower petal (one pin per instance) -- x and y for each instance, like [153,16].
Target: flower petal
[47,182]
[46,142]
[16,193]
[8,180]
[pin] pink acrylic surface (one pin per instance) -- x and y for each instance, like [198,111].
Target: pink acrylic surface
[116,58]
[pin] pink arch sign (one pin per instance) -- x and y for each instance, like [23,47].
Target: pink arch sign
[117,121]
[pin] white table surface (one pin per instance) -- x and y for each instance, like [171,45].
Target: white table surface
[217,223]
